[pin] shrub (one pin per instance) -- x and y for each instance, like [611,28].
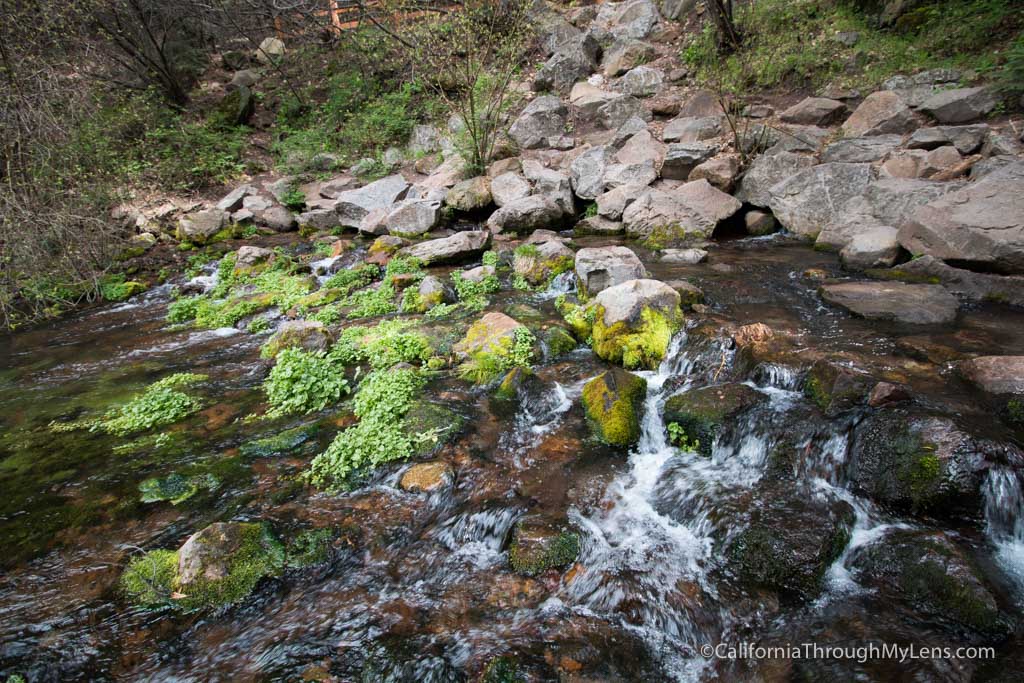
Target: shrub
[303,382]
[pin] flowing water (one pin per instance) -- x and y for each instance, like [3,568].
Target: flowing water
[421,590]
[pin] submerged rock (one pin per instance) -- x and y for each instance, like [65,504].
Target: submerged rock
[932,579]
[895,301]
[791,541]
[309,335]
[426,477]
[613,402]
[538,546]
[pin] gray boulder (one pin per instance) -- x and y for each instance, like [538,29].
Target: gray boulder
[959,105]
[894,301]
[872,248]
[880,113]
[814,111]
[625,55]
[812,199]
[767,171]
[462,246]
[562,70]
[587,172]
[642,81]
[526,214]
[692,129]
[202,225]
[682,157]
[601,267]
[981,224]
[661,217]
[353,205]
[509,187]
[413,218]
[861,150]
[544,118]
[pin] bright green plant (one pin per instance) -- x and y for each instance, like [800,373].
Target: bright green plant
[162,403]
[678,437]
[303,382]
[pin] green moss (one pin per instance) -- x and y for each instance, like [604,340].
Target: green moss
[502,669]
[309,548]
[555,552]
[149,579]
[900,275]
[558,341]
[494,359]
[116,288]
[922,474]
[281,443]
[1014,411]
[175,487]
[642,345]
[612,402]
[580,318]
[816,393]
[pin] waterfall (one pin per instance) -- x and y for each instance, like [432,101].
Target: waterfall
[1004,520]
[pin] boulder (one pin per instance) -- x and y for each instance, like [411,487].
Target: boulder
[617,110]
[462,246]
[201,226]
[875,247]
[470,195]
[896,301]
[308,335]
[641,148]
[447,174]
[277,218]
[424,139]
[797,201]
[682,157]
[526,214]
[492,334]
[612,203]
[222,563]
[587,172]
[599,225]
[933,581]
[708,200]
[814,111]
[907,459]
[684,256]
[433,291]
[232,201]
[413,218]
[880,113]
[249,256]
[353,205]
[538,263]
[996,375]
[625,55]
[701,413]
[661,218]
[543,119]
[271,50]
[552,184]
[633,19]
[508,187]
[563,69]
[478,274]
[792,539]
[692,129]
[767,171]
[599,268]
[628,129]
[981,224]
[634,322]
[634,175]
[967,284]
[861,150]
[959,105]
[613,403]
[642,81]
[939,161]
[720,171]
[701,103]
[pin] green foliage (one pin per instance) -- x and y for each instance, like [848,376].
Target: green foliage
[160,404]
[113,287]
[140,139]
[678,437]
[382,346]
[1010,78]
[148,580]
[258,326]
[383,399]
[328,315]
[490,258]
[349,280]
[792,43]
[310,547]
[474,292]
[295,200]
[485,366]
[303,382]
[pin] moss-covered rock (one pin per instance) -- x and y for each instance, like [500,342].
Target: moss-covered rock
[791,541]
[700,413]
[309,335]
[835,389]
[916,461]
[613,402]
[502,669]
[470,195]
[493,345]
[557,341]
[175,487]
[538,546]
[929,576]
[634,323]
[431,425]
[280,443]
[217,566]
[537,264]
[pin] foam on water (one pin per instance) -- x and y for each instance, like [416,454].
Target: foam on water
[1004,521]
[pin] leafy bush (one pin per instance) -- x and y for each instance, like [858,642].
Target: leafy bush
[381,404]
[382,346]
[303,382]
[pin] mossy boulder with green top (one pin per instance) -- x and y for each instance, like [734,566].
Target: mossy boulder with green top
[613,402]
[217,566]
